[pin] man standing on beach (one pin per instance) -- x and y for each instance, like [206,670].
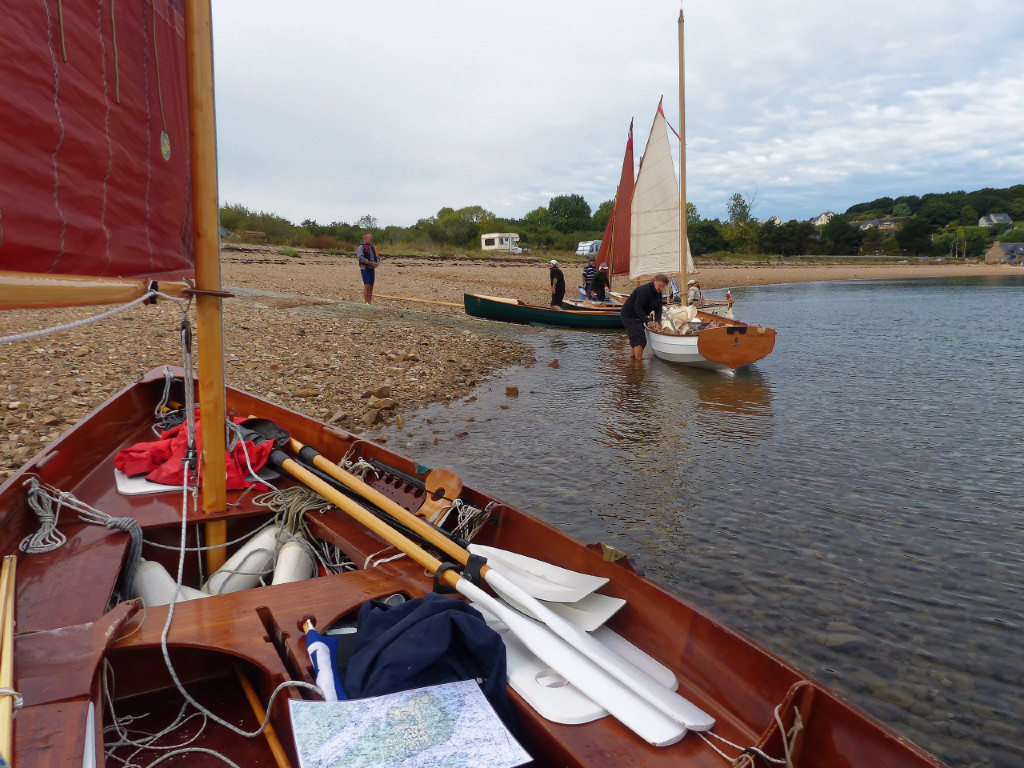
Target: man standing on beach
[589,272]
[369,260]
[636,311]
[557,285]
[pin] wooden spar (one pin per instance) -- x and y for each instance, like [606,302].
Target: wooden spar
[26,289]
[682,166]
[276,748]
[7,593]
[203,162]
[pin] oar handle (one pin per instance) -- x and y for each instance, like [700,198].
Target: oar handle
[280,459]
[416,524]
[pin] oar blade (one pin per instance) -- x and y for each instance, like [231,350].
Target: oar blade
[633,711]
[589,613]
[539,579]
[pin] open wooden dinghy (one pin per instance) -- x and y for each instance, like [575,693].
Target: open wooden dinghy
[76,661]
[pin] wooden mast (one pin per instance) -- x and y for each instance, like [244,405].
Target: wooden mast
[203,162]
[682,167]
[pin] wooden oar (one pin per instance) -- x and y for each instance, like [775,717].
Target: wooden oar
[634,711]
[567,593]
[586,651]
[544,580]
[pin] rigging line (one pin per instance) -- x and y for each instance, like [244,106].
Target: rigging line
[84,321]
[60,123]
[156,59]
[106,135]
[113,39]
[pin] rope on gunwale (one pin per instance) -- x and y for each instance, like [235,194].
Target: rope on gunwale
[747,754]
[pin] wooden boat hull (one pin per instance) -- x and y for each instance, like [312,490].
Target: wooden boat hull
[723,346]
[513,311]
[64,635]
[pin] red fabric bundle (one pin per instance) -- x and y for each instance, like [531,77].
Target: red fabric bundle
[160,460]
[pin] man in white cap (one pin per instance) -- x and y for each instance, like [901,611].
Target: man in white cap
[557,285]
[692,292]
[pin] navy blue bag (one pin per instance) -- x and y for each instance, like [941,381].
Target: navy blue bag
[426,641]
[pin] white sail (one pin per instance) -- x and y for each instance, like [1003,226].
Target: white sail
[654,236]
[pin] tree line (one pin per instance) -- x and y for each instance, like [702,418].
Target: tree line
[932,224]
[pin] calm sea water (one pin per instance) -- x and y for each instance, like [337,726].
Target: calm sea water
[853,501]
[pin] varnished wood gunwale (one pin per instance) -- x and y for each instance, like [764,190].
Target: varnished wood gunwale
[723,672]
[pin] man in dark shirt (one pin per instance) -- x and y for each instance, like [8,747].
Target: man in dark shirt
[557,285]
[636,311]
[588,277]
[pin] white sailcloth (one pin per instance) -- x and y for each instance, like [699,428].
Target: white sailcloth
[654,234]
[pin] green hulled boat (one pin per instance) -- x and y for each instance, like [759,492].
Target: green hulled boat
[515,311]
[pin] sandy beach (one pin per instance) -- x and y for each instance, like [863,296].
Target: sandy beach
[297,332]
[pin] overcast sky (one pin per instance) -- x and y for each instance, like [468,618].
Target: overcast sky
[333,109]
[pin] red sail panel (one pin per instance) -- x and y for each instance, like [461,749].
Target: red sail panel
[618,258]
[90,185]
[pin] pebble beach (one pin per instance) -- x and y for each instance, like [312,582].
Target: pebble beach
[297,332]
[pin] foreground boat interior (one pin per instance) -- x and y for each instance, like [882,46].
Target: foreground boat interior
[91,669]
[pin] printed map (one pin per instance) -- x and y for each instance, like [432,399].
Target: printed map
[442,726]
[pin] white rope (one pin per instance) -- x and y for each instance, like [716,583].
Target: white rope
[19,700]
[47,538]
[746,756]
[370,560]
[84,321]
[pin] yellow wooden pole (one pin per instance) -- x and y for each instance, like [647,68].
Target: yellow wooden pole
[205,205]
[7,658]
[276,748]
[682,167]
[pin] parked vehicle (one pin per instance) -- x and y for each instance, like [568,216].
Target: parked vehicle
[588,248]
[500,241]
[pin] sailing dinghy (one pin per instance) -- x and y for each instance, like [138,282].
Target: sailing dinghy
[689,335]
[170,625]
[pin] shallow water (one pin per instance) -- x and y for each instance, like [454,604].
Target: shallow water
[853,501]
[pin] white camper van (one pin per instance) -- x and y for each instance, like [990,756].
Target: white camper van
[500,241]
[588,248]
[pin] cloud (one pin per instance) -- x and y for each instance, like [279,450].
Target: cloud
[332,110]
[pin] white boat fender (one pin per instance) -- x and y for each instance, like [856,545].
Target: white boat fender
[244,568]
[156,586]
[294,563]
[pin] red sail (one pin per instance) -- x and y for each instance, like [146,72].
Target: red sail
[615,245]
[94,151]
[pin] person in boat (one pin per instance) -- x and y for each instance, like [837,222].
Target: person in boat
[693,294]
[601,284]
[557,285]
[589,272]
[369,260]
[636,312]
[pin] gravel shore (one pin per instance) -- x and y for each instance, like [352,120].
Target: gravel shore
[298,333]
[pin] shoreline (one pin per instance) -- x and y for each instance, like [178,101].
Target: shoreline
[297,333]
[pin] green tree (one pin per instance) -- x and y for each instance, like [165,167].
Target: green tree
[569,213]
[741,231]
[914,237]
[692,217]
[839,238]
[901,210]
[604,212]
[790,239]
[367,222]
[705,237]
[969,216]
[1016,208]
